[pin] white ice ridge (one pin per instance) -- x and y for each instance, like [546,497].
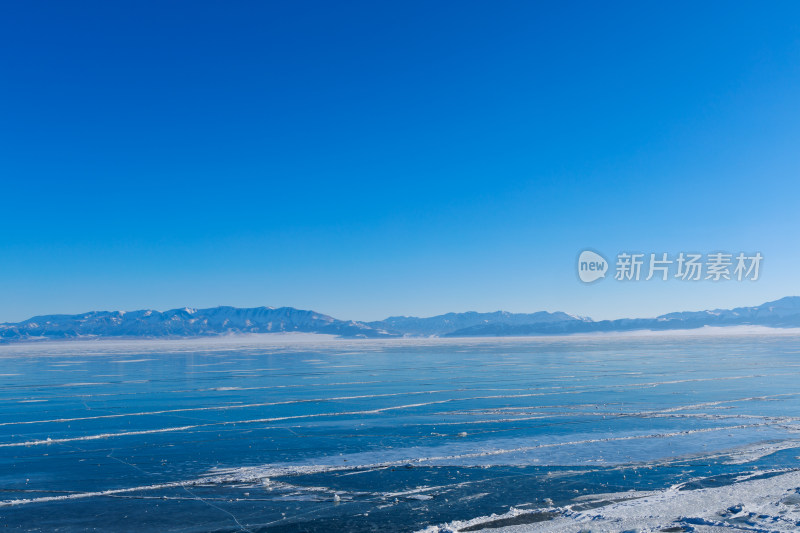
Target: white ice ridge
[765,505]
[347,413]
[177,429]
[226,407]
[263,474]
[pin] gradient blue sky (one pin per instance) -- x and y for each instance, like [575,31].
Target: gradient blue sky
[372,158]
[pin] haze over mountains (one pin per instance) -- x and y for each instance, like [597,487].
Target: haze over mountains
[187,322]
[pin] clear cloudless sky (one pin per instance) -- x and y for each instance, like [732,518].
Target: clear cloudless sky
[366,159]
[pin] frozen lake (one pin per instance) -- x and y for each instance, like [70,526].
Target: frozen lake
[299,434]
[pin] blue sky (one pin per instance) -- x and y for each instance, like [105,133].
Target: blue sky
[372,158]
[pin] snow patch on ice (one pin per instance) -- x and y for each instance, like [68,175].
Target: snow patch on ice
[770,504]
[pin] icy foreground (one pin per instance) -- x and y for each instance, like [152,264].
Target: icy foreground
[770,504]
[303,433]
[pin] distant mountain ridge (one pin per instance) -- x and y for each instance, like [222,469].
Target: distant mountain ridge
[781,313]
[186,322]
[452,322]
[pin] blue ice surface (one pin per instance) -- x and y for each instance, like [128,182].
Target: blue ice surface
[337,435]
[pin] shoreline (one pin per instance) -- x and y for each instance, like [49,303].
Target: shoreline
[286,338]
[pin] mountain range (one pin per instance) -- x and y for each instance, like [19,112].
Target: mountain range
[186,322]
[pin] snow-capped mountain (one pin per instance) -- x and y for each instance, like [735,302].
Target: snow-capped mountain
[771,313]
[780,313]
[187,322]
[452,322]
[184,322]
